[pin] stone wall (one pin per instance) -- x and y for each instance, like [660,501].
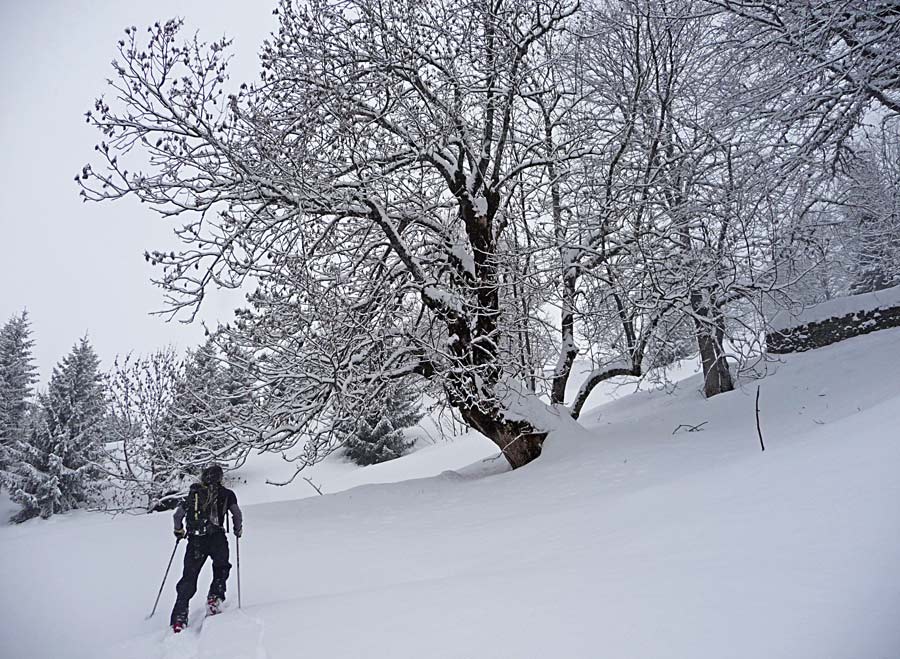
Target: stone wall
[831,330]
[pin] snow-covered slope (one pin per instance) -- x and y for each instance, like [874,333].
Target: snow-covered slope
[624,540]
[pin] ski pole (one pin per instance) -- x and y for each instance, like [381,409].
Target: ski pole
[166,576]
[237,544]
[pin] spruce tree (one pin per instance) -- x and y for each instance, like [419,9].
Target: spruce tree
[54,469]
[201,416]
[196,402]
[238,376]
[378,436]
[17,377]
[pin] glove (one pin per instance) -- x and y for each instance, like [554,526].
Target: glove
[180,533]
[238,533]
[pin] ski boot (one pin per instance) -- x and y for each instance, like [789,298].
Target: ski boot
[213,605]
[178,625]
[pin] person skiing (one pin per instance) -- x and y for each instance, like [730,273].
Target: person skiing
[204,510]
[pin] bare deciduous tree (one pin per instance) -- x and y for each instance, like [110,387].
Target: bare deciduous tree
[470,195]
[365,182]
[825,63]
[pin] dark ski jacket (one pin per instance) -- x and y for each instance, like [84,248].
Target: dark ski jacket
[226,501]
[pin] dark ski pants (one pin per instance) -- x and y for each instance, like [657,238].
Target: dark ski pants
[215,546]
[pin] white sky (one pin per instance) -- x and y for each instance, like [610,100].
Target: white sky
[79,268]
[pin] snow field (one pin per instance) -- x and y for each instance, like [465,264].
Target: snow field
[623,540]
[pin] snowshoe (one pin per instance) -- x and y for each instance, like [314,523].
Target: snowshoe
[178,625]
[213,605]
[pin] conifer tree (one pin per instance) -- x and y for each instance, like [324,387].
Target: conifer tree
[54,469]
[378,436]
[206,397]
[239,374]
[17,375]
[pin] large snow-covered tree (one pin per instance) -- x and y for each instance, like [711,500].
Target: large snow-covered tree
[687,183]
[18,375]
[55,467]
[823,73]
[367,182]
[469,194]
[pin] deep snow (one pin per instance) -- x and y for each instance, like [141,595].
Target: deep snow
[624,540]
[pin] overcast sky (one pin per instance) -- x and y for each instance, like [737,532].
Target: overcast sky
[78,268]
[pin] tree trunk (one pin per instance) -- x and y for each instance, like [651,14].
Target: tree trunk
[519,442]
[710,336]
[568,349]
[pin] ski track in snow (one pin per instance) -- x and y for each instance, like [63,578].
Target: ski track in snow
[232,634]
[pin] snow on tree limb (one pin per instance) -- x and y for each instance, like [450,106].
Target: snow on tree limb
[467,195]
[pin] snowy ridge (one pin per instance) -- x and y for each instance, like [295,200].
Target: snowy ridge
[625,540]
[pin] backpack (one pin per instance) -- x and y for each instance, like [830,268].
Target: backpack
[201,514]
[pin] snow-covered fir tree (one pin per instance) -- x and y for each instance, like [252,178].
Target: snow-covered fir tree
[54,469]
[239,373]
[17,377]
[378,436]
[201,416]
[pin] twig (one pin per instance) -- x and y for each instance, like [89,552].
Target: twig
[690,428]
[313,485]
[758,428]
